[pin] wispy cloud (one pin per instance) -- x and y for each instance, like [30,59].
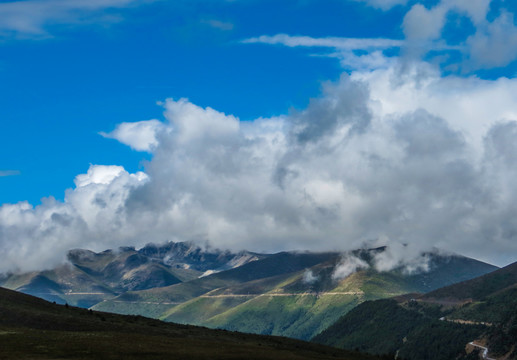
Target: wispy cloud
[9,173]
[218,24]
[140,136]
[371,54]
[383,4]
[492,45]
[33,17]
[328,42]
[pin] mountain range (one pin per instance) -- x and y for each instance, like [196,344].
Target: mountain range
[295,294]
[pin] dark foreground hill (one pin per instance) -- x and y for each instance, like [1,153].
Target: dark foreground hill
[31,328]
[438,325]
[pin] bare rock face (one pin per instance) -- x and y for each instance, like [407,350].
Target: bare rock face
[187,255]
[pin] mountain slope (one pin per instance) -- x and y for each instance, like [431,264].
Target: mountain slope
[477,288]
[385,327]
[297,309]
[484,308]
[31,328]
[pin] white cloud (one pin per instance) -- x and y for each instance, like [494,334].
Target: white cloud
[91,216]
[344,48]
[218,24]
[9,173]
[361,54]
[421,23]
[140,135]
[494,45]
[331,42]
[476,9]
[370,61]
[98,174]
[408,258]
[348,265]
[192,123]
[309,277]
[383,4]
[415,159]
[33,17]
[471,105]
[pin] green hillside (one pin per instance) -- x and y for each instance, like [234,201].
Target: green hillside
[292,308]
[31,328]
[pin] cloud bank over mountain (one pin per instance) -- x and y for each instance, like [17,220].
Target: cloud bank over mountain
[419,159]
[409,148]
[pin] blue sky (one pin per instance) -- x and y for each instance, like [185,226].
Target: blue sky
[399,76]
[60,88]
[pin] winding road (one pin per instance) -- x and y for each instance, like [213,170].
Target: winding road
[282,294]
[485,350]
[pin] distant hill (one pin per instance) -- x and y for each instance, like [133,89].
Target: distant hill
[438,324]
[32,328]
[477,288]
[288,294]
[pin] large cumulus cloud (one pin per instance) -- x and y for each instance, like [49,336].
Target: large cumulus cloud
[378,158]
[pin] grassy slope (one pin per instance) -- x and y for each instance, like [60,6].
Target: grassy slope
[301,315]
[31,328]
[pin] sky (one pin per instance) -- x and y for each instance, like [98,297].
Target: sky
[260,125]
